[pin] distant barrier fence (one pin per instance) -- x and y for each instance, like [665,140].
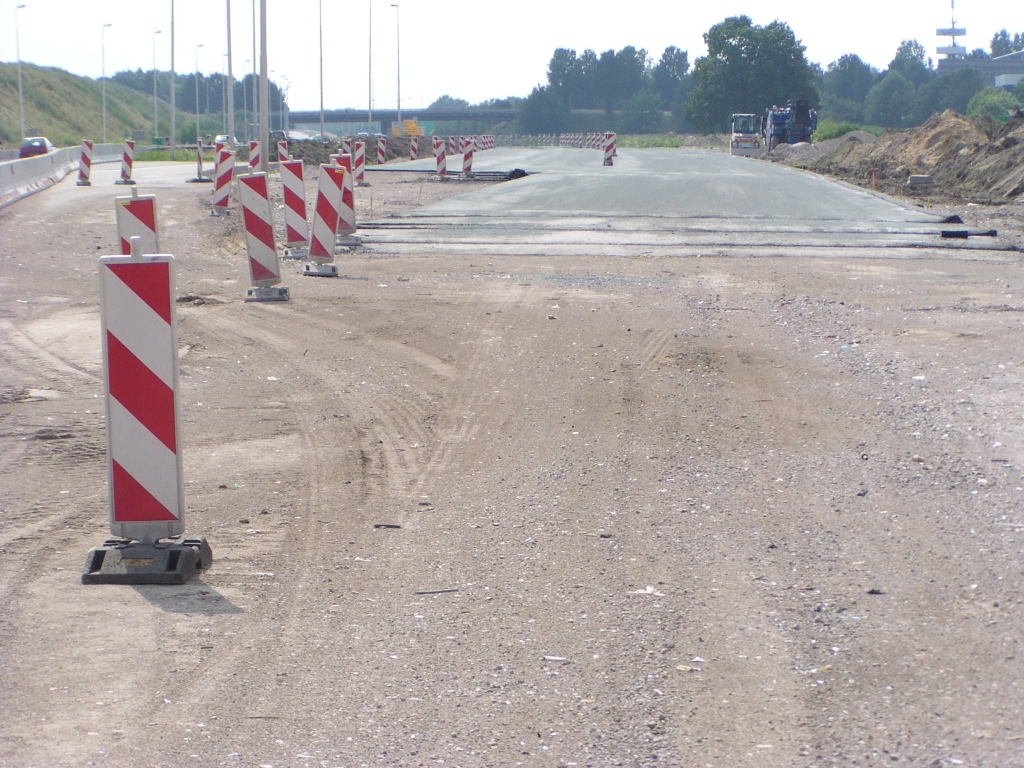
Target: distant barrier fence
[21,178]
[580,140]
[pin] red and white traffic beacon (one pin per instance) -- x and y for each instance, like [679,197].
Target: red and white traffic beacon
[261,248]
[144,468]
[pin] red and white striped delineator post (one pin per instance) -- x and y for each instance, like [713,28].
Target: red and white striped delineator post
[127,161]
[439,157]
[217,147]
[295,225]
[200,178]
[346,145]
[453,146]
[330,190]
[85,164]
[359,164]
[222,188]
[609,148]
[467,158]
[414,147]
[382,150]
[144,466]
[254,155]
[282,151]
[347,212]
[136,218]
[264,268]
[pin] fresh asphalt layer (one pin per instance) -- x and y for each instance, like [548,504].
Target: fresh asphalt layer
[659,202]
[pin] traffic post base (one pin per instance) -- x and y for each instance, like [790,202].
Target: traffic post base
[348,241]
[169,561]
[217,210]
[314,269]
[295,253]
[267,293]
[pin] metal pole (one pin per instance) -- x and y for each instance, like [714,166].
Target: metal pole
[156,107]
[398,56]
[198,142]
[321,6]
[264,92]
[174,117]
[369,69]
[224,94]
[230,88]
[255,79]
[245,104]
[103,76]
[21,90]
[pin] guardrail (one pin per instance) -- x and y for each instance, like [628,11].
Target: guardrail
[21,178]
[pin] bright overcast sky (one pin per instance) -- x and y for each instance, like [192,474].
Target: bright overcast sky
[470,50]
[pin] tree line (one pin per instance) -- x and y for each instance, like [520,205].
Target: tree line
[211,90]
[750,67]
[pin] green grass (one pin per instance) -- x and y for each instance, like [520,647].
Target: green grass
[67,108]
[833,129]
[182,155]
[647,141]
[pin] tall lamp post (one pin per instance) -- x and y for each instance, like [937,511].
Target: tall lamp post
[199,143]
[321,12]
[21,90]
[369,69]
[103,65]
[156,108]
[174,138]
[230,87]
[398,58]
[245,102]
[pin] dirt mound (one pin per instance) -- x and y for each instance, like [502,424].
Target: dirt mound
[974,158]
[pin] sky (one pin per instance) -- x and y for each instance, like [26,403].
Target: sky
[471,50]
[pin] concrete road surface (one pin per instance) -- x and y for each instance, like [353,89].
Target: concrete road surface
[659,202]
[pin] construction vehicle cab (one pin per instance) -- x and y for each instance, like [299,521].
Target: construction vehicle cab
[745,136]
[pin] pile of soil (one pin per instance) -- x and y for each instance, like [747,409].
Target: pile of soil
[976,158]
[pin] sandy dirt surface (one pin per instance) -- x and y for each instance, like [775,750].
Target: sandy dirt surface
[679,511]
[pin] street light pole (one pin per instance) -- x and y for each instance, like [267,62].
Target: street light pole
[321,10]
[264,93]
[174,116]
[21,90]
[198,135]
[245,101]
[103,76]
[230,88]
[156,108]
[398,57]
[369,69]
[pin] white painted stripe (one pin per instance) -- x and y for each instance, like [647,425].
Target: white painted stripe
[139,328]
[128,226]
[144,457]
[260,206]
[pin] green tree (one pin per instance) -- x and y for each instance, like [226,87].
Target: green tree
[643,113]
[994,102]
[1002,44]
[1018,91]
[910,62]
[849,78]
[542,112]
[446,102]
[950,90]
[889,103]
[565,77]
[668,73]
[747,68]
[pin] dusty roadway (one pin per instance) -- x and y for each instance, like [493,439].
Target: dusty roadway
[755,509]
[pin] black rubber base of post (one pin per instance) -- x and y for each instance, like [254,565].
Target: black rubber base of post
[171,561]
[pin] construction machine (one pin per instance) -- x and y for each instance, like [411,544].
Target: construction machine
[746,140]
[790,124]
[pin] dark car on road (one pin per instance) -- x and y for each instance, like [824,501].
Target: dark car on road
[36,145]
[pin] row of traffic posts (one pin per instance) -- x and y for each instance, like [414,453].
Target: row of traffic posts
[140,345]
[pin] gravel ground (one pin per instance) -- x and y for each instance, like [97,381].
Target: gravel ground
[680,511]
